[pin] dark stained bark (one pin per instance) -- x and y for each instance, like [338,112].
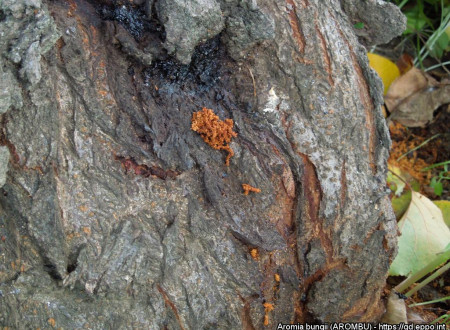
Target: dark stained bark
[116,214]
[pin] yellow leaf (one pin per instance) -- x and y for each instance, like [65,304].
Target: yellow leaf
[386,69]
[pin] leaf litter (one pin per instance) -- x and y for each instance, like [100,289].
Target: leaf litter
[418,122]
[413,97]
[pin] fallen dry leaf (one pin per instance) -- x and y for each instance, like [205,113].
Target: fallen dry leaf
[414,317]
[405,63]
[395,310]
[413,97]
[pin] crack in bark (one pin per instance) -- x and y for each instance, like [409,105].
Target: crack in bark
[343,193]
[296,31]
[325,55]
[129,163]
[169,303]
[246,319]
[313,193]
[365,99]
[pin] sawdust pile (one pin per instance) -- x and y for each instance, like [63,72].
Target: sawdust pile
[215,132]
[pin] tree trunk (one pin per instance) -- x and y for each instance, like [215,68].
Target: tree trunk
[116,214]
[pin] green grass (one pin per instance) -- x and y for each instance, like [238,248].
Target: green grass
[436,181]
[427,22]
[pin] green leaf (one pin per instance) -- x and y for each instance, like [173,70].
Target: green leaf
[401,204]
[443,41]
[423,235]
[438,188]
[447,250]
[402,198]
[416,20]
[444,206]
[359,25]
[440,46]
[395,183]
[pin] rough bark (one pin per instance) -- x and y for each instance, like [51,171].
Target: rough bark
[115,214]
